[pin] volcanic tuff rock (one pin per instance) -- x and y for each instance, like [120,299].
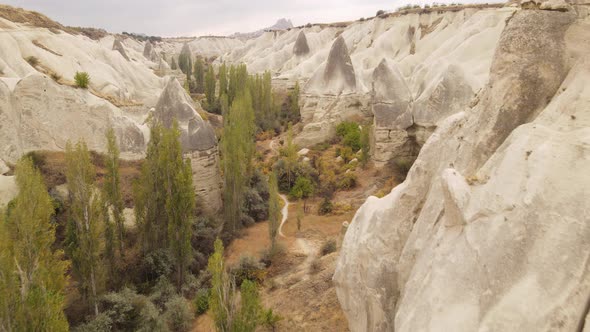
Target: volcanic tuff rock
[301,47]
[149,52]
[117,46]
[197,139]
[490,230]
[41,114]
[337,76]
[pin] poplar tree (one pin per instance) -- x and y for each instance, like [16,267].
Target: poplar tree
[112,189]
[222,290]
[223,80]
[289,153]
[199,74]
[238,150]
[210,87]
[85,225]
[32,278]
[274,211]
[165,199]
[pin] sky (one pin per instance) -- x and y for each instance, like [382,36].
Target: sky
[172,18]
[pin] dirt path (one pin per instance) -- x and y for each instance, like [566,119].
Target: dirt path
[285,213]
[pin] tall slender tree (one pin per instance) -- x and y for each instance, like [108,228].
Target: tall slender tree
[165,199]
[210,87]
[86,222]
[112,189]
[32,278]
[199,74]
[223,80]
[238,150]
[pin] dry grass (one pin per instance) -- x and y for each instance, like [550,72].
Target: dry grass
[41,46]
[19,15]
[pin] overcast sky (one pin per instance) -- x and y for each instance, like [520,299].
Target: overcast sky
[202,17]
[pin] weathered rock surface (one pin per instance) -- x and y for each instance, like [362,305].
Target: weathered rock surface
[149,52]
[118,46]
[43,115]
[337,76]
[197,139]
[301,47]
[490,230]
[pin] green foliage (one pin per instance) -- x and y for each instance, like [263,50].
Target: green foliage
[325,207]
[39,160]
[165,200]
[302,189]
[348,181]
[185,61]
[328,247]
[82,242]
[346,153]
[199,74]
[178,314]
[82,79]
[350,134]
[256,197]
[274,209]
[248,268]
[265,103]
[294,114]
[249,316]
[237,147]
[32,278]
[270,319]
[365,145]
[210,87]
[221,298]
[113,201]
[202,301]
[223,80]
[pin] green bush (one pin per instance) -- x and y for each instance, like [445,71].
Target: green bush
[348,181]
[328,247]
[350,134]
[249,268]
[303,188]
[270,319]
[178,314]
[82,79]
[202,301]
[325,207]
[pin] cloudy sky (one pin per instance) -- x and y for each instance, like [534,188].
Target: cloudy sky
[201,17]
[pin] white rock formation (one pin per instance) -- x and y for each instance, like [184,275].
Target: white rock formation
[197,139]
[490,230]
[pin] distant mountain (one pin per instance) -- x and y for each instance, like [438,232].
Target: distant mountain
[281,24]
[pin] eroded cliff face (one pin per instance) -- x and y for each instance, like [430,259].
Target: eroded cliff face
[490,230]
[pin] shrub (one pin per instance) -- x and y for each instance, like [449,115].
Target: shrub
[350,134]
[248,269]
[82,79]
[269,256]
[348,181]
[202,301]
[325,207]
[32,60]
[38,158]
[404,164]
[178,314]
[303,188]
[270,319]
[380,12]
[157,264]
[328,247]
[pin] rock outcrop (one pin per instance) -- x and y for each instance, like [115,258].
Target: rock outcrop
[197,139]
[337,76]
[149,52]
[490,230]
[41,114]
[301,47]
[118,46]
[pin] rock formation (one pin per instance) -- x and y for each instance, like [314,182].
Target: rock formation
[301,47]
[197,139]
[489,232]
[118,46]
[338,75]
[41,114]
[149,52]
[391,107]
